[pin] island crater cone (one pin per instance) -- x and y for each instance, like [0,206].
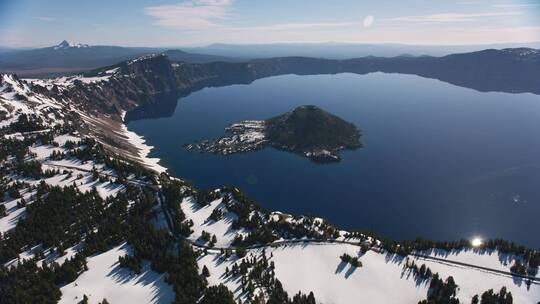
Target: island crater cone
[309,128]
[306,130]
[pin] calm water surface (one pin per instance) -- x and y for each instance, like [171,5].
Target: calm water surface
[439,161]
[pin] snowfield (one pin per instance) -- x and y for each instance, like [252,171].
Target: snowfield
[318,268]
[382,278]
[105,279]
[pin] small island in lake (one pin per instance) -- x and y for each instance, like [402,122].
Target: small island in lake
[307,130]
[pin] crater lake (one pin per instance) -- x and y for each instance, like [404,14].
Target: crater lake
[438,161]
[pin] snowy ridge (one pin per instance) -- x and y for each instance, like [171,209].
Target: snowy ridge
[69,81]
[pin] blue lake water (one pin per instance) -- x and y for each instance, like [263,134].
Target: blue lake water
[439,161]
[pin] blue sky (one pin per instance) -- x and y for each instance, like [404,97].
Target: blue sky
[32,23]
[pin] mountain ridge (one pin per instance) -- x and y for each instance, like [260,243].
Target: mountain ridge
[66,58]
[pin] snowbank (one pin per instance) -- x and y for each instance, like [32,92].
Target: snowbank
[144,150]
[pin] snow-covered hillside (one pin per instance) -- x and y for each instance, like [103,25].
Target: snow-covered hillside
[106,279]
[86,213]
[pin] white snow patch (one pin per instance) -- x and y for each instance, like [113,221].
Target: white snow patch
[61,139]
[105,279]
[44,151]
[14,214]
[144,150]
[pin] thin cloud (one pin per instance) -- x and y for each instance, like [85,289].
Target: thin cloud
[191,14]
[44,18]
[515,5]
[451,17]
[294,26]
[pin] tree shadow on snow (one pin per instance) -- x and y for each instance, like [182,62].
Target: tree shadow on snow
[161,291]
[350,271]
[393,258]
[340,267]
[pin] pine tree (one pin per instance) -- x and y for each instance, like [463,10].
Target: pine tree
[205,272]
[84,300]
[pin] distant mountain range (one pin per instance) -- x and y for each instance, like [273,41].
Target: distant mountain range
[334,50]
[66,58]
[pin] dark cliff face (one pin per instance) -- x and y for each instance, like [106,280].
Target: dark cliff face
[152,83]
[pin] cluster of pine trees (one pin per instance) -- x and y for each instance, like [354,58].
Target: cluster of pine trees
[103,229]
[441,292]
[490,297]
[529,256]
[28,283]
[60,218]
[208,238]
[31,168]
[351,260]
[131,262]
[423,272]
[25,123]
[263,231]
[204,198]
[174,192]
[218,295]
[518,268]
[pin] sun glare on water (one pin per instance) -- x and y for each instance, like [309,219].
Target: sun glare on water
[476,242]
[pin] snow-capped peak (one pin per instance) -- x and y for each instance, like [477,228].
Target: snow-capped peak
[66,45]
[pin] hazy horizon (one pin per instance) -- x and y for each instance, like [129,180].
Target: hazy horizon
[329,43]
[195,23]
